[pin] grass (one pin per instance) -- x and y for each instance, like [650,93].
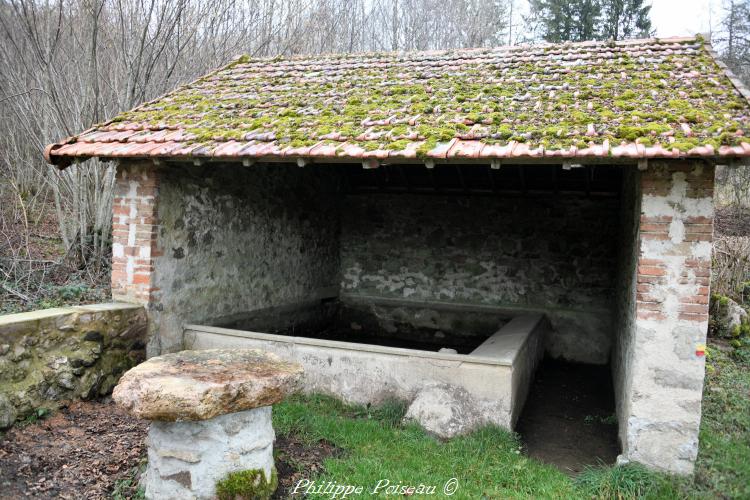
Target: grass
[36,416]
[723,466]
[631,481]
[489,464]
[128,488]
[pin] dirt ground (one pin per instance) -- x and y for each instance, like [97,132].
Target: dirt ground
[296,460]
[84,449]
[78,452]
[568,419]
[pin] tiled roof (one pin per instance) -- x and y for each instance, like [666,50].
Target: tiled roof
[656,98]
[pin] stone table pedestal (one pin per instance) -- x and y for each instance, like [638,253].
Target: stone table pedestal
[211,417]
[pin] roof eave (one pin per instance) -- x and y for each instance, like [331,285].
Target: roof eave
[736,82]
[62,162]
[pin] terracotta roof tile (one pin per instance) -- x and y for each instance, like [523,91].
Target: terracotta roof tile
[656,98]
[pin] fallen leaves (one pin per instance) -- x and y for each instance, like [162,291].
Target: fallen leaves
[79,452]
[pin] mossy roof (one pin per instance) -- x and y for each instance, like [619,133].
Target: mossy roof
[655,98]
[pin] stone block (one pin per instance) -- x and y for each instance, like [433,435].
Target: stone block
[187,459]
[211,416]
[445,411]
[199,385]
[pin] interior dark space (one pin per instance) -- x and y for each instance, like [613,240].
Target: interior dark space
[569,417]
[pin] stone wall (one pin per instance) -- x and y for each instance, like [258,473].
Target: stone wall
[67,353]
[228,240]
[659,364]
[205,244]
[552,254]
[624,348]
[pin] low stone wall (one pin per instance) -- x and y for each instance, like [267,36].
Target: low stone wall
[66,353]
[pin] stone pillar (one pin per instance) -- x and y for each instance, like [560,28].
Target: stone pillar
[134,232]
[662,359]
[134,246]
[188,459]
[211,419]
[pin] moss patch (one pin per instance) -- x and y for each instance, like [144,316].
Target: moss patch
[386,102]
[247,485]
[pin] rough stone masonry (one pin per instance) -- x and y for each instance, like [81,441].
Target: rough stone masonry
[66,353]
[194,244]
[658,360]
[185,236]
[191,244]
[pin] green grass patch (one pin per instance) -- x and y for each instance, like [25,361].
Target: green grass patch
[128,488]
[629,481]
[723,467]
[489,464]
[34,417]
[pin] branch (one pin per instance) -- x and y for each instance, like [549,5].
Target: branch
[16,293]
[25,93]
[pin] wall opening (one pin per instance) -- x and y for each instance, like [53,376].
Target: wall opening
[398,256]
[528,239]
[534,238]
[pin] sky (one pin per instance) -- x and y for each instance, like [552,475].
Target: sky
[674,17]
[684,17]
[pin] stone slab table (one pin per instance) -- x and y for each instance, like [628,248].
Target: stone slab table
[210,413]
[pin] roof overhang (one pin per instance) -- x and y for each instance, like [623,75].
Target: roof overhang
[131,139]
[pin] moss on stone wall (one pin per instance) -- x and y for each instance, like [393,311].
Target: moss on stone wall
[247,485]
[68,353]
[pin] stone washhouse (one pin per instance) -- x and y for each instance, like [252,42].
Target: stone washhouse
[438,221]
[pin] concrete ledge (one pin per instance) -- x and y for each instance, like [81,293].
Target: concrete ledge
[363,374]
[503,309]
[506,344]
[8,319]
[495,377]
[192,330]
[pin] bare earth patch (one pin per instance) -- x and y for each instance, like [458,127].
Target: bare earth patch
[79,452]
[85,448]
[296,460]
[568,420]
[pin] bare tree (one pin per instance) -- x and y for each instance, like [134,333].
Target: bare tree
[68,64]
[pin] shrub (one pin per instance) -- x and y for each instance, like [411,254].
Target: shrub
[731,267]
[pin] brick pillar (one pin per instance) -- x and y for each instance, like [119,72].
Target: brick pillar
[665,364]
[134,233]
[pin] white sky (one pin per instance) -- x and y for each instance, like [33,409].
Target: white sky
[684,17]
[673,17]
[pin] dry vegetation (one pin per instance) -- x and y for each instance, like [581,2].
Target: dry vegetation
[72,63]
[731,260]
